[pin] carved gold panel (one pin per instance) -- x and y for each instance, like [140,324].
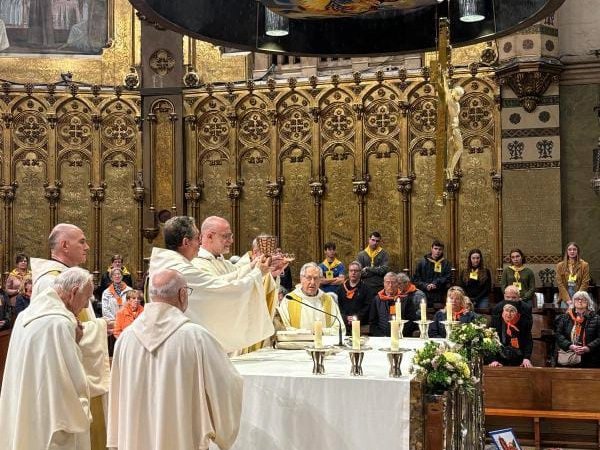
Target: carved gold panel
[163,134]
[255,210]
[297,211]
[31,217]
[478,213]
[384,208]
[214,172]
[340,208]
[119,221]
[74,206]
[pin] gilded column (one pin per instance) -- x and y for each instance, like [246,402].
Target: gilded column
[7,194]
[52,194]
[360,188]
[234,192]
[404,186]
[317,190]
[138,195]
[274,193]
[97,197]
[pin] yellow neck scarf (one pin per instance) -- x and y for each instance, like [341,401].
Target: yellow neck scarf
[336,262]
[373,253]
[437,265]
[517,274]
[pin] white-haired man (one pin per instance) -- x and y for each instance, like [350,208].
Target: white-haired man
[172,386]
[296,316]
[45,402]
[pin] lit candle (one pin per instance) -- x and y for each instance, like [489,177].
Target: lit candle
[394,328]
[423,310]
[318,326]
[355,334]
[449,317]
[398,310]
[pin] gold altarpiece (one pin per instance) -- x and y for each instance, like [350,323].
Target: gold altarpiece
[310,161]
[333,160]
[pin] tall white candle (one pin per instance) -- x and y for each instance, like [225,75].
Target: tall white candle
[449,316]
[394,334]
[318,326]
[398,310]
[423,310]
[355,334]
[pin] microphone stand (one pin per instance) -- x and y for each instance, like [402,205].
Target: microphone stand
[340,341]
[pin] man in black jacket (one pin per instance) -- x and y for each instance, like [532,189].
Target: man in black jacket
[433,273]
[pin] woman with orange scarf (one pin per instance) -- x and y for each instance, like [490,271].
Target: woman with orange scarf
[460,312]
[129,312]
[113,297]
[514,332]
[578,331]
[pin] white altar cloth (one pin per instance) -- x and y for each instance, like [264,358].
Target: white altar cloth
[286,407]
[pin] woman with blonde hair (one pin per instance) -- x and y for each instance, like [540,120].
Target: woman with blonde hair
[572,275]
[460,312]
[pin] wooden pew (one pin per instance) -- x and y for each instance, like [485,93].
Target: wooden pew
[545,406]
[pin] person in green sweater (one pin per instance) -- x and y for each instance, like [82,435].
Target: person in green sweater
[519,276]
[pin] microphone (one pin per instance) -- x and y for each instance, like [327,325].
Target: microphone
[340,343]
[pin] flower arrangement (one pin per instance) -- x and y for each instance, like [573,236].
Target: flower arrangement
[476,339]
[441,368]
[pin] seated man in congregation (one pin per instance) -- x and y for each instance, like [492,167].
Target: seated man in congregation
[333,269]
[432,274]
[514,331]
[374,261]
[295,315]
[354,297]
[577,334]
[511,297]
[396,287]
[460,312]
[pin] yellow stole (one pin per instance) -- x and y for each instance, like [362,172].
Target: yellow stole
[295,310]
[373,253]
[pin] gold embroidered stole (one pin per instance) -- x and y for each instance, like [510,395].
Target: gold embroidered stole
[295,310]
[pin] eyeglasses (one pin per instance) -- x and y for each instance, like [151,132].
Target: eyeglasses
[189,290]
[226,236]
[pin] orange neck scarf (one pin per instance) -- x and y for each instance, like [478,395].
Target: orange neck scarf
[113,292]
[390,298]
[350,291]
[459,314]
[578,331]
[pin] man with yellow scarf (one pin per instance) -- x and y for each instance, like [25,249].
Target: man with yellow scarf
[333,269]
[432,274]
[374,261]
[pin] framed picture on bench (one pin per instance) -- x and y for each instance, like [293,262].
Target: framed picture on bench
[505,439]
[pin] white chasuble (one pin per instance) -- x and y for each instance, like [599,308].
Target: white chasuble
[228,300]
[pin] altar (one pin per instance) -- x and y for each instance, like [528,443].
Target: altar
[286,407]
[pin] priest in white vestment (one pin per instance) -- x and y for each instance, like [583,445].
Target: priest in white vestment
[295,315]
[45,400]
[172,386]
[69,248]
[228,300]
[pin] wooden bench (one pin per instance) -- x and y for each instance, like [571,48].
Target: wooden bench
[563,405]
[537,414]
